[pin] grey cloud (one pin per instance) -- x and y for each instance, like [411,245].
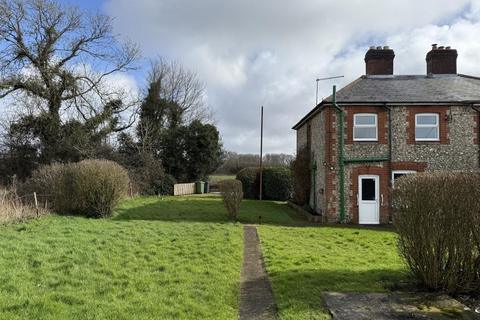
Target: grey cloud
[269,52]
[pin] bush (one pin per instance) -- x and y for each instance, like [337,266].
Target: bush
[232,195]
[277,184]
[249,179]
[301,177]
[437,216]
[89,187]
[149,177]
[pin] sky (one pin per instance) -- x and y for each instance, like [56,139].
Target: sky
[251,53]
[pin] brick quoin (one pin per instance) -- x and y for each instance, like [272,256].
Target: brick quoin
[382,125]
[330,158]
[443,129]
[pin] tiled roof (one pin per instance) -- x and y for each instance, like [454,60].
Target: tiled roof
[447,88]
[421,88]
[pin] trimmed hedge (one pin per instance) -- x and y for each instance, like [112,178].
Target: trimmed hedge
[437,216]
[90,187]
[249,178]
[277,183]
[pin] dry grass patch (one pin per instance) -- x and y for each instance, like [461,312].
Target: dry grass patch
[13,209]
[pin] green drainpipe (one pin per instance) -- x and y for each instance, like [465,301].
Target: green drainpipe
[341,162]
[341,155]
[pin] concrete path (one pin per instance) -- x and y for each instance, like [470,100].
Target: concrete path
[395,306]
[256,298]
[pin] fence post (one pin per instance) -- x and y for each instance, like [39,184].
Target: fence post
[36,202]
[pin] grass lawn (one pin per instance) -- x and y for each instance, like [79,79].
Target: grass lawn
[206,208]
[180,258]
[303,262]
[218,178]
[77,268]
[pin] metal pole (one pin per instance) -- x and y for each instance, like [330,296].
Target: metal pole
[261,154]
[321,79]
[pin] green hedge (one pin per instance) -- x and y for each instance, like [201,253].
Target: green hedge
[277,183]
[249,178]
[90,187]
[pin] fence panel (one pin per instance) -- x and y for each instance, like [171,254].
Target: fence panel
[181,189]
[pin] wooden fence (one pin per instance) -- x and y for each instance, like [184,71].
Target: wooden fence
[181,189]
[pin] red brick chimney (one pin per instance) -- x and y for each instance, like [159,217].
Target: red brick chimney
[441,60]
[379,61]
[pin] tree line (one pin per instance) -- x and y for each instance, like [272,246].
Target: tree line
[57,87]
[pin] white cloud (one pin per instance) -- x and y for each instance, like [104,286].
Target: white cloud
[269,52]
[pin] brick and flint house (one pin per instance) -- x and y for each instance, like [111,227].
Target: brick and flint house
[382,126]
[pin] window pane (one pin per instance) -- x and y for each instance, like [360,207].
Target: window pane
[427,119]
[368,189]
[364,119]
[365,133]
[398,175]
[426,133]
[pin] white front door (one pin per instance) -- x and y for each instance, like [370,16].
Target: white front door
[368,199]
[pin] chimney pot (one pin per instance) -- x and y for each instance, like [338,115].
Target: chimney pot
[372,47]
[434,46]
[441,60]
[379,61]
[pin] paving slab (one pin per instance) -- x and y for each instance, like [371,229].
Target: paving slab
[397,306]
[256,297]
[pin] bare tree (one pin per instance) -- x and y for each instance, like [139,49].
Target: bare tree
[63,57]
[180,87]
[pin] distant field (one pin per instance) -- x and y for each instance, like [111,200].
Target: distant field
[218,178]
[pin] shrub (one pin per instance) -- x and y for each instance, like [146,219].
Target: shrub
[232,195]
[97,186]
[149,177]
[437,216]
[249,179]
[277,183]
[301,177]
[89,187]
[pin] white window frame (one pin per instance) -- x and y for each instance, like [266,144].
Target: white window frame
[365,126]
[437,116]
[400,172]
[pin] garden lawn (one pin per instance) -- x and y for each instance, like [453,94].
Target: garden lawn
[304,262]
[218,178]
[180,258]
[76,268]
[206,208]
